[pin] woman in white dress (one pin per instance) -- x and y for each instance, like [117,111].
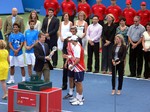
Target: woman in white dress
[81,25]
[34,16]
[146,48]
[63,29]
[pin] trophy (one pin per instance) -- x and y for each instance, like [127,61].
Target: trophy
[52,52]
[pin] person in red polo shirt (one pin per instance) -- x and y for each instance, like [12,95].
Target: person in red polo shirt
[52,4]
[129,13]
[68,6]
[99,10]
[85,7]
[115,10]
[144,14]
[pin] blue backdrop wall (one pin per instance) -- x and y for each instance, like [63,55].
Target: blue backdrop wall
[7,5]
[30,5]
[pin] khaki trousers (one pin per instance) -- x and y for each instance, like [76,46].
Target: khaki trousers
[46,73]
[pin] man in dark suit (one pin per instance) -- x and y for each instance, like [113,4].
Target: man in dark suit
[42,59]
[50,27]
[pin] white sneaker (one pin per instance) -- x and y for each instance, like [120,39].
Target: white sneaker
[73,100]
[77,102]
[10,82]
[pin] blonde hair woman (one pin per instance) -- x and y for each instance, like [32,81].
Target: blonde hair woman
[118,57]
[81,25]
[4,66]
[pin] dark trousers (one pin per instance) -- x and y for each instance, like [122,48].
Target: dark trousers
[136,60]
[93,49]
[65,76]
[120,69]
[147,64]
[107,57]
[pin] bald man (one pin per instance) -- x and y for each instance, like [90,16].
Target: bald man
[8,24]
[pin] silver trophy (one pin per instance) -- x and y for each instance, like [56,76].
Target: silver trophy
[52,52]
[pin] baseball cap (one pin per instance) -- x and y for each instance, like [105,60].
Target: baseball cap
[143,3]
[68,34]
[74,38]
[128,2]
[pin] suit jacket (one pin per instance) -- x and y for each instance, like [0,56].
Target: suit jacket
[121,53]
[8,26]
[52,30]
[40,57]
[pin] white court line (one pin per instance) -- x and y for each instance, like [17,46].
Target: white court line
[66,111]
[2,103]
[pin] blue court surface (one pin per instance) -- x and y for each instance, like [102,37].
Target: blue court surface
[135,95]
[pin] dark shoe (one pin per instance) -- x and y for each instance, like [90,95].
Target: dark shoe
[88,70]
[68,96]
[54,66]
[64,87]
[131,76]
[96,71]
[138,76]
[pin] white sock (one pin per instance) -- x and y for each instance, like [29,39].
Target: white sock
[77,95]
[80,97]
[71,91]
[23,78]
[11,77]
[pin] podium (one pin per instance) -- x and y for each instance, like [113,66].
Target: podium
[49,100]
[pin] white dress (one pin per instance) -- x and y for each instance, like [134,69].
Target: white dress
[80,33]
[64,30]
[147,39]
[37,26]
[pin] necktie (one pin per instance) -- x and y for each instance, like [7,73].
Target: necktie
[49,21]
[44,49]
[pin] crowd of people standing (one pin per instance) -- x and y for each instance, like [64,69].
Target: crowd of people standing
[113,29]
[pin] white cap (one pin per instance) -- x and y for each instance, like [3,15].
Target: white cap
[68,34]
[74,37]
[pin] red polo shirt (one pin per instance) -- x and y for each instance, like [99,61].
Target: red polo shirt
[115,10]
[99,10]
[68,7]
[85,7]
[144,16]
[51,4]
[129,14]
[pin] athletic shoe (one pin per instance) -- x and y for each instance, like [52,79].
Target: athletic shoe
[77,102]
[10,82]
[68,96]
[73,100]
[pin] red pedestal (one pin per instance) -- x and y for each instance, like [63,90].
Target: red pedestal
[49,100]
